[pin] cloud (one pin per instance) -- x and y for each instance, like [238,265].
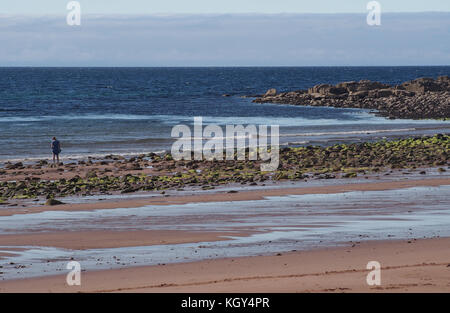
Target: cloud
[226,40]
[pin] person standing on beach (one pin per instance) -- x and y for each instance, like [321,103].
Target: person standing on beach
[56,149]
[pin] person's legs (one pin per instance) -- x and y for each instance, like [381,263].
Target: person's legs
[57,157]
[54,158]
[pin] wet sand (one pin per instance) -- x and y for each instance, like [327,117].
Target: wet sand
[406,266]
[3,254]
[245,195]
[82,240]
[197,230]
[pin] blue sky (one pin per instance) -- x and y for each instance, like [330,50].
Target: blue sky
[218,6]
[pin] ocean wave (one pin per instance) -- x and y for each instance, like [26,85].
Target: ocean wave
[81,156]
[353,132]
[77,117]
[291,143]
[353,118]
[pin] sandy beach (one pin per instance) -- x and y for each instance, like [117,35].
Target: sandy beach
[409,264]
[77,240]
[406,266]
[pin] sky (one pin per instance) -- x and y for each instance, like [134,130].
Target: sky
[218,6]
[136,33]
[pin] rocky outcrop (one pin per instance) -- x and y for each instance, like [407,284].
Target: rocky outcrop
[417,99]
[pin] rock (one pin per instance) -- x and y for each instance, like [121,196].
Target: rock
[403,93]
[350,86]
[319,89]
[134,167]
[271,93]
[366,85]
[327,90]
[337,91]
[125,178]
[52,202]
[14,166]
[20,186]
[130,190]
[422,85]
[90,174]
[350,175]
[443,79]
[384,93]
[359,94]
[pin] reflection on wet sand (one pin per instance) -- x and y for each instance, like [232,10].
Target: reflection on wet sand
[274,224]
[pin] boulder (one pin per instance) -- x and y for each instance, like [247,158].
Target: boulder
[52,202]
[90,174]
[14,166]
[134,167]
[327,90]
[359,94]
[444,82]
[385,93]
[422,85]
[271,93]
[337,91]
[366,85]
[404,93]
[319,89]
[350,86]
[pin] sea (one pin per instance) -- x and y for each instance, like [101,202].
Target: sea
[100,111]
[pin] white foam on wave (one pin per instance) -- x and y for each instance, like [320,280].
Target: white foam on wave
[83,156]
[354,118]
[353,132]
[77,117]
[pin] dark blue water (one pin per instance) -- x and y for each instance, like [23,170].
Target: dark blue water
[126,110]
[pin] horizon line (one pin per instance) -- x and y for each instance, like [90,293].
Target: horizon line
[211,66]
[166,14]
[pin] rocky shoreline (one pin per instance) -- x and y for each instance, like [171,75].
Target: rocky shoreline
[157,173]
[423,98]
